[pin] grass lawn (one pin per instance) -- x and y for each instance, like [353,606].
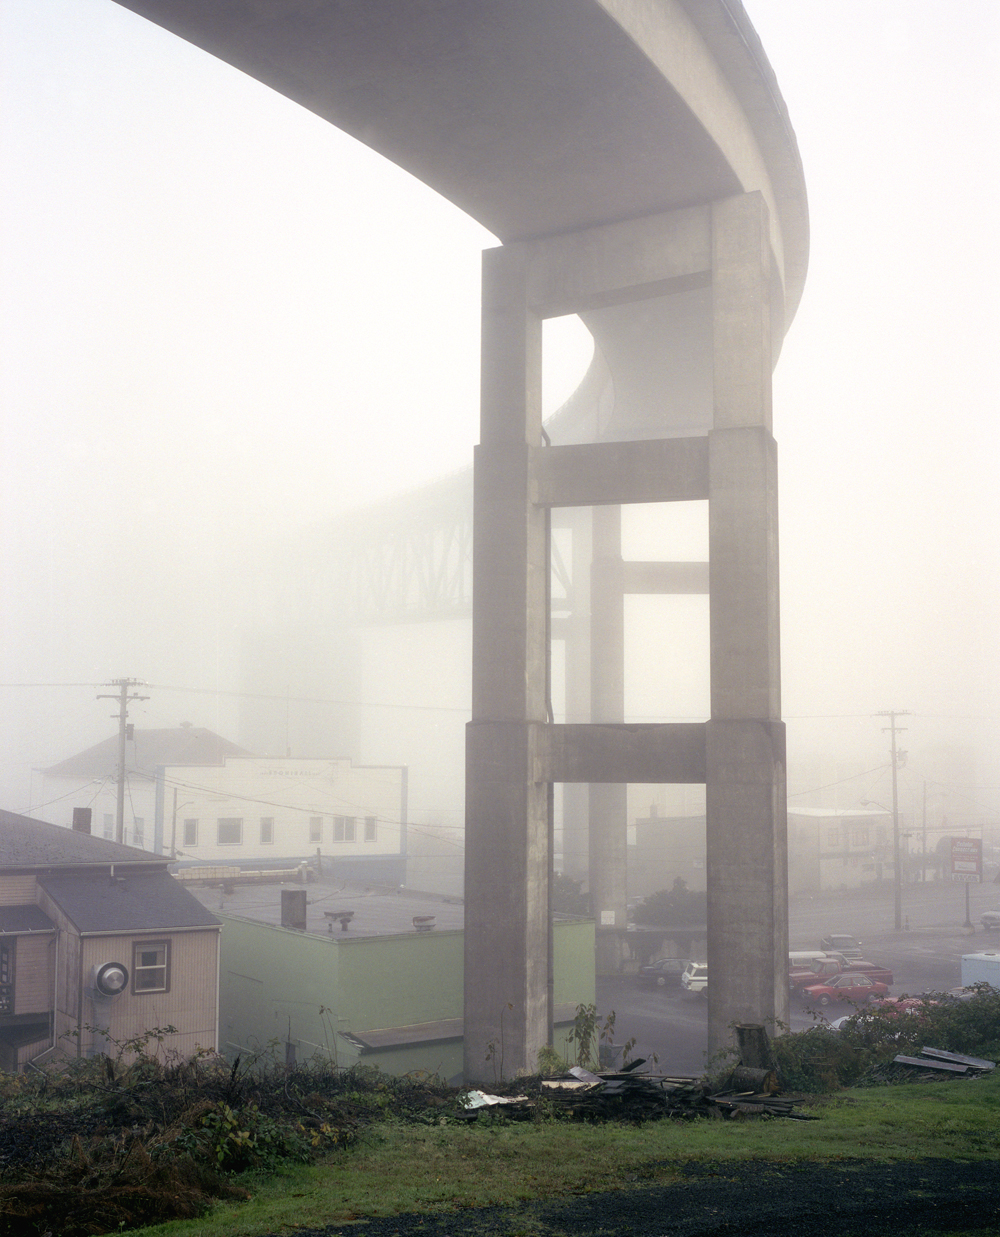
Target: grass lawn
[399,1168]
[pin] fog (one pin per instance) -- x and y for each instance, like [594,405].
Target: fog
[225,323]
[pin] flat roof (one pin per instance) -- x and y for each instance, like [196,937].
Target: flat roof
[376,910]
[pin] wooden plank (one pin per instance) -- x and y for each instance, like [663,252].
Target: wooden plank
[928,1063]
[977,1062]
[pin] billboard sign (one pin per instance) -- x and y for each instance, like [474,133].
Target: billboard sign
[967,859]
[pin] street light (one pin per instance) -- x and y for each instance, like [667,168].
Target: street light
[897,876]
[173,825]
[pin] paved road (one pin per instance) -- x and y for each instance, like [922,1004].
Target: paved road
[925,957]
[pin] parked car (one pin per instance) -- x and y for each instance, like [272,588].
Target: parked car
[843,943]
[881,974]
[850,987]
[901,1004]
[824,968]
[695,978]
[666,972]
[990,919]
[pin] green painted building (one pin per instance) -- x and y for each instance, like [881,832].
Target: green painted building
[393,1001]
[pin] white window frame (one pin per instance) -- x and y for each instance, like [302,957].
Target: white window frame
[142,973]
[345,828]
[229,820]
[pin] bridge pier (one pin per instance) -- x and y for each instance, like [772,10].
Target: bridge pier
[514,750]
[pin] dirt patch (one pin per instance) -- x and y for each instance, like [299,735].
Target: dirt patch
[852,1198]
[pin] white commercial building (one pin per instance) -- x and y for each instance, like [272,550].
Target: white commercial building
[251,810]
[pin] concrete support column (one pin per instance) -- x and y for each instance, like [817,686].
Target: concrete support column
[745,756]
[747,877]
[507,856]
[576,846]
[608,800]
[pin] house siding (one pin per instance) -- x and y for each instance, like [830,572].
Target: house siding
[190,1002]
[34,960]
[17,890]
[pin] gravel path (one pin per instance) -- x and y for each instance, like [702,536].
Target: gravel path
[850,1199]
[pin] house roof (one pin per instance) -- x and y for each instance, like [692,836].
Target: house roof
[27,844]
[378,910]
[180,745]
[840,813]
[23,920]
[130,902]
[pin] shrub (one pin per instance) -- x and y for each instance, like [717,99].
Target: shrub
[818,1060]
[673,907]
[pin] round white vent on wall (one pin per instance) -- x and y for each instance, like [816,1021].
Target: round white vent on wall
[111,978]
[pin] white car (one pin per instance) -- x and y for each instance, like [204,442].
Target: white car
[695,978]
[990,919]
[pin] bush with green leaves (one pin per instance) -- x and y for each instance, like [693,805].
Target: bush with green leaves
[677,906]
[822,1059]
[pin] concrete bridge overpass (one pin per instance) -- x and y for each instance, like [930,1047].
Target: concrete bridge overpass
[637,162]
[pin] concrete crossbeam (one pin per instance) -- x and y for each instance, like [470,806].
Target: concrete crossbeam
[649,752]
[602,473]
[655,578]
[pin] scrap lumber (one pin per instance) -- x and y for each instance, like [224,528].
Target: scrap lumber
[930,1063]
[630,1095]
[958,1058]
[946,1062]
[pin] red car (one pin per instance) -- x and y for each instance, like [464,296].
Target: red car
[850,987]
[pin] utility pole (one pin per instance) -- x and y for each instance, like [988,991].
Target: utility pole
[123,697]
[897,884]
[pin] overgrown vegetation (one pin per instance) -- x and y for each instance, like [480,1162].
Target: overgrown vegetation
[675,907]
[859,1053]
[568,897]
[116,1142]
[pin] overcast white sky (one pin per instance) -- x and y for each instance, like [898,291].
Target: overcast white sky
[218,311]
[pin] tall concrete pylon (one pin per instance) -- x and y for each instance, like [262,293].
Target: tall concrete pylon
[514,751]
[622,151]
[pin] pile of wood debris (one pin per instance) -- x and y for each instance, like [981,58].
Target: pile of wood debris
[629,1095]
[935,1062]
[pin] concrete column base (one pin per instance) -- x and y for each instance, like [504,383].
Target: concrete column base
[747,877]
[507,922]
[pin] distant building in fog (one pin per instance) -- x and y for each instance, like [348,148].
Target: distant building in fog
[257,810]
[828,849]
[90,779]
[663,848]
[838,848]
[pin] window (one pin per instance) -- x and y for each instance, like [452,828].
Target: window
[833,837]
[371,828]
[7,976]
[109,825]
[151,966]
[190,833]
[315,828]
[230,830]
[859,835]
[138,830]
[343,828]
[267,830]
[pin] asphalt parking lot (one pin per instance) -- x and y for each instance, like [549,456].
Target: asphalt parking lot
[925,956]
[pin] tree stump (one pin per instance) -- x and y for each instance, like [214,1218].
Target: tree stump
[754,1046]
